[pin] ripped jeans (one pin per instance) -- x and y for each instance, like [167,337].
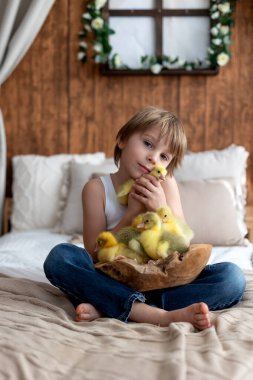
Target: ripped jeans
[71,269]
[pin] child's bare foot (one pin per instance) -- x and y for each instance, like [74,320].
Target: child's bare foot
[87,312]
[197,314]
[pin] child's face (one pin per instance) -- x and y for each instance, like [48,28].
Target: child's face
[142,151]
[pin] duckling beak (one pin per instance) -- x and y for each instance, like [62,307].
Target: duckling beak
[140,225]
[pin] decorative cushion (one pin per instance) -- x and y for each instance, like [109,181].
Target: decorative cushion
[173,271]
[210,210]
[225,163]
[48,189]
[72,219]
[213,204]
[38,188]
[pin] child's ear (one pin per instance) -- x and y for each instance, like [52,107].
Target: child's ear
[121,144]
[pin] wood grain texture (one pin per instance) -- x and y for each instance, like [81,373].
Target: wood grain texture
[54,104]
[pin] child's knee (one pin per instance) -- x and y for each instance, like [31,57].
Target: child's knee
[56,257]
[236,278]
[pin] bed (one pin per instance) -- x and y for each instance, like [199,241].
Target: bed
[40,338]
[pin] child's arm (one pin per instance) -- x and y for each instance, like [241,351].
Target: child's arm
[94,220]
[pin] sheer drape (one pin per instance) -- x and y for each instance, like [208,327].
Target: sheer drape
[20,22]
[2,167]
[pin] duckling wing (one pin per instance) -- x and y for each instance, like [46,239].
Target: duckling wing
[125,251]
[176,242]
[107,254]
[185,228]
[126,234]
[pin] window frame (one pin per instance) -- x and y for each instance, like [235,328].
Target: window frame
[96,32]
[158,12]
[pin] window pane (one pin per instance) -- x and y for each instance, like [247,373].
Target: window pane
[133,38]
[186,4]
[131,4]
[186,37]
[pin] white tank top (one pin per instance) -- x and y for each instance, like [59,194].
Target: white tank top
[113,209]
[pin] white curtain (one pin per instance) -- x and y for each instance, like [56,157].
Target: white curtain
[20,22]
[2,168]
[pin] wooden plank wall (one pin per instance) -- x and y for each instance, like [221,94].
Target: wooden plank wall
[54,104]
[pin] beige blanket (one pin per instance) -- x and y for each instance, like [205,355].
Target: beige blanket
[40,340]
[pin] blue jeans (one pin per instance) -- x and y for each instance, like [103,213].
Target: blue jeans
[70,268]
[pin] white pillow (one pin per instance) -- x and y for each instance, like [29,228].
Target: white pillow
[37,188]
[72,220]
[209,208]
[229,162]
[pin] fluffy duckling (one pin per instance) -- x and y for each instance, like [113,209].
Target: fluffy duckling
[174,225]
[158,171]
[124,190]
[109,248]
[129,236]
[175,232]
[150,237]
[125,234]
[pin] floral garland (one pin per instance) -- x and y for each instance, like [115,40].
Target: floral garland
[96,32]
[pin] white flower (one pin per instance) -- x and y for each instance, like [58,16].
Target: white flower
[98,59]
[167,65]
[214,7]
[81,55]
[98,47]
[117,60]
[87,27]
[224,8]
[181,62]
[97,23]
[214,31]
[172,58]
[170,63]
[210,50]
[156,68]
[188,67]
[86,16]
[215,15]
[100,3]
[226,40]
[83,45]
[216,41]
[222,59]
[224,29]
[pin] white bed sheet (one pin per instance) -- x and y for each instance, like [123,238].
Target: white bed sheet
[22,254]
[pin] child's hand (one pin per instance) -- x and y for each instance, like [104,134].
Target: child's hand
[148,190]
[134,206]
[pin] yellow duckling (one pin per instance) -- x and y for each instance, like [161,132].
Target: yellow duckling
[174,225]
[125,234]
[109,248]
[129,236]
[175,232]
[158,171]
[124,190]
[150,237]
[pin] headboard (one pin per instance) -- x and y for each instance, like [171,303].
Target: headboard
[2,168]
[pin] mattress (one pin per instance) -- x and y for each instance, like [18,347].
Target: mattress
[22,254]
[40,338]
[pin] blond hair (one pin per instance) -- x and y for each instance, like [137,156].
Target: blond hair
[169,125]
